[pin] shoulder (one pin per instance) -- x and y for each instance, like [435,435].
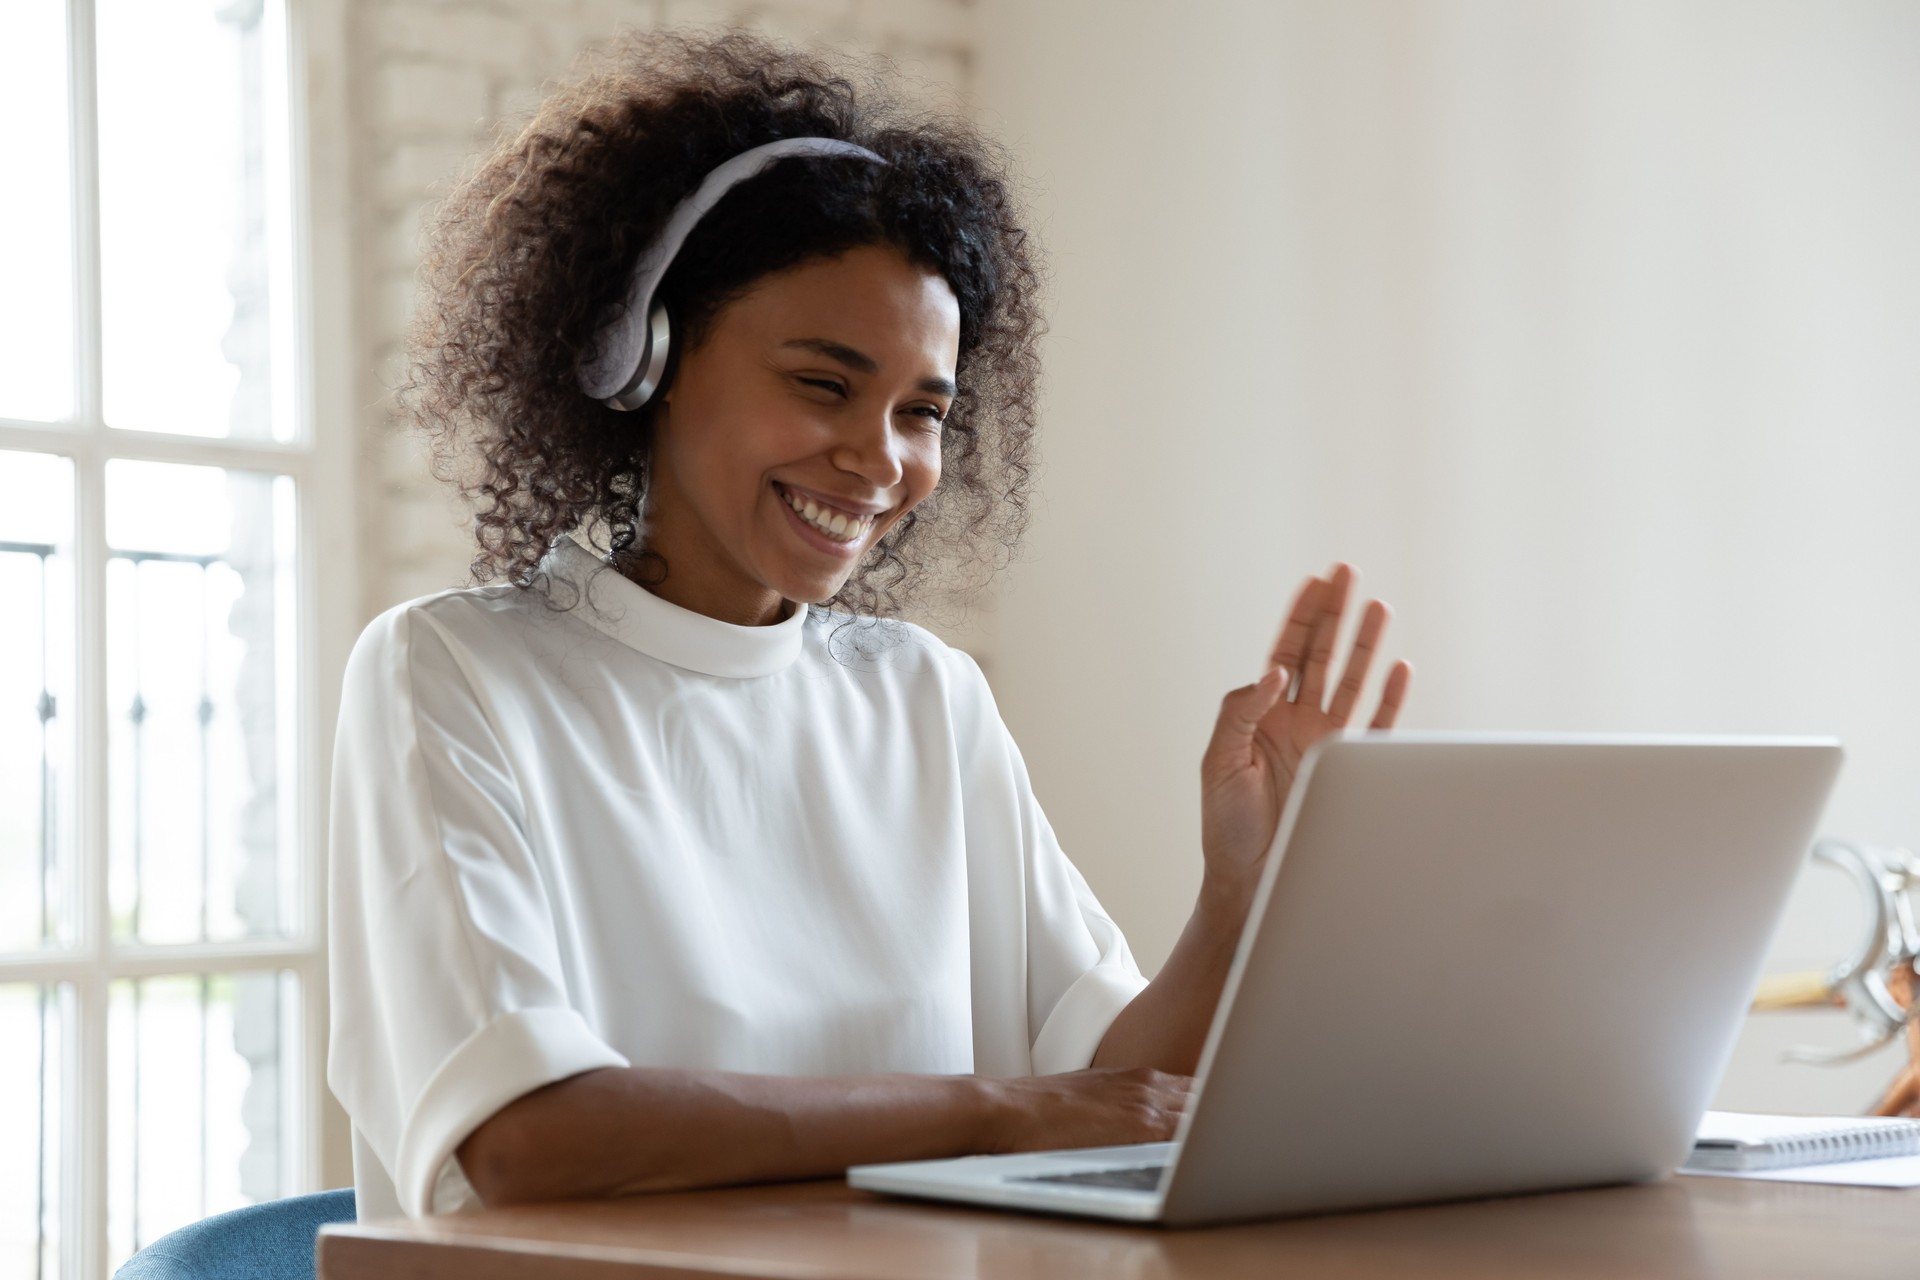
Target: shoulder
[905,663]
[392,643]
[892,647]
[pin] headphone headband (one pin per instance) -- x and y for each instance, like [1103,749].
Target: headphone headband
[630,350]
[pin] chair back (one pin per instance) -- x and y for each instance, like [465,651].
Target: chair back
[271,1241]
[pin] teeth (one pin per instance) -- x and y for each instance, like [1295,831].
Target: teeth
[834,524]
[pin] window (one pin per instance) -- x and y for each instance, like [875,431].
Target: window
[161,730]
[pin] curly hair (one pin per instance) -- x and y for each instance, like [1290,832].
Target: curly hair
[525,258]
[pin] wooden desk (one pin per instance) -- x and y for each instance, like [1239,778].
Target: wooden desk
[1684,1227]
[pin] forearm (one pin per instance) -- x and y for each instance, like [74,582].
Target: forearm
[623,1130]
[1165,1026]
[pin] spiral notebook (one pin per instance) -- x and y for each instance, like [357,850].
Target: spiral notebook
[1739,1142]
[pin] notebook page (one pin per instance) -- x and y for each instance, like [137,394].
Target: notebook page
[1900,1171]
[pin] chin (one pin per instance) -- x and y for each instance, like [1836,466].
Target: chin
[806,587]
[814,593]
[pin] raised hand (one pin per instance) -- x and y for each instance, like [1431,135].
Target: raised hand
[1309,691]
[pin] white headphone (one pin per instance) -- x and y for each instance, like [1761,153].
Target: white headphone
[629,356]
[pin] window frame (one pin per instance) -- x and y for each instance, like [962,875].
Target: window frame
[321,462]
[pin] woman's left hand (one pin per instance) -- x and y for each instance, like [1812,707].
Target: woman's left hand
[1249,767]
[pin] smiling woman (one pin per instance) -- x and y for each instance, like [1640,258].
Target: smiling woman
[779,459]
[639,880]
[527,260]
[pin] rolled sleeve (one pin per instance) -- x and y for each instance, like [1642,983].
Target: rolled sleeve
[1074,973]
[449,997]
[1080,970]
[513,1055]
[1079,1022]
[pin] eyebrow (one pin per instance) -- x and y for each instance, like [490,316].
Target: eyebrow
[861,362]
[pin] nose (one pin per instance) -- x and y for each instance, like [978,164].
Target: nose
[870,448]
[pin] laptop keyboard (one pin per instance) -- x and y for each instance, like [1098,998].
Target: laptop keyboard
[1143,1178]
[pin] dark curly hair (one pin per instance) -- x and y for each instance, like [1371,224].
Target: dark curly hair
[526,256]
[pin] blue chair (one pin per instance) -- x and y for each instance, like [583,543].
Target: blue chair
[271,1241]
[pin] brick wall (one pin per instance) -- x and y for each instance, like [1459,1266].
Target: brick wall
[433,78]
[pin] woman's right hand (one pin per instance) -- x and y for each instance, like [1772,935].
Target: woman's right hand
[623,1130]
[1098,1107]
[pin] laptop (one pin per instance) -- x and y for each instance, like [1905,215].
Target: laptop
[1476,964]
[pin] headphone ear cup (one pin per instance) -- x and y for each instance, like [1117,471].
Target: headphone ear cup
[656,359]
[666,340]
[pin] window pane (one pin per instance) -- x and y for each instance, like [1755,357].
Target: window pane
[200,689]
[36,235]
[34,1026]
[200,1104]
[195,225]
[36,702]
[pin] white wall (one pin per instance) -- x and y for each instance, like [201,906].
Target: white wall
[1591,331]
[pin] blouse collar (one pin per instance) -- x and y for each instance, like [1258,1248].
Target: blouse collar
[620,607]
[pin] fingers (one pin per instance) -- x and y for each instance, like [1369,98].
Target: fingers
[1359,662]
[1172,1094]
[1314,676]
[1308,649]
[1290,649]
[1242,710]
[1114,1105]
[1240,714]
[1393,695]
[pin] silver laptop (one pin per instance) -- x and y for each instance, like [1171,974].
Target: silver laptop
[1477,964]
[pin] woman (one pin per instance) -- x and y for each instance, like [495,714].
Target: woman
[678,864]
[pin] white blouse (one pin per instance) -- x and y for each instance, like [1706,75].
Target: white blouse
[629,834]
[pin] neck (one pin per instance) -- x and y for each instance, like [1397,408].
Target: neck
[700,593]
